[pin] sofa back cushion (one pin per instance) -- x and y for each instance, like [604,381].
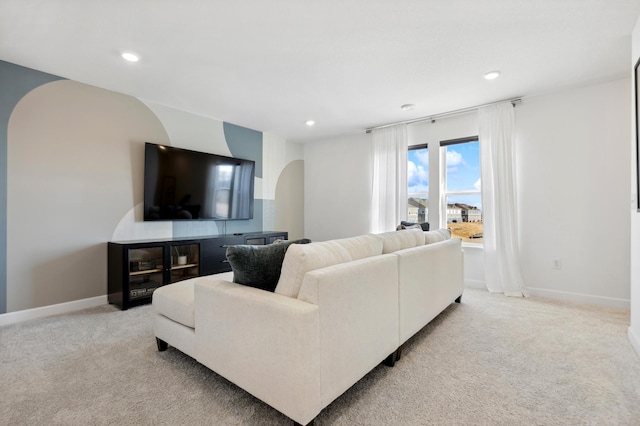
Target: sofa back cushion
[437,235]
[400,240]
[302,258]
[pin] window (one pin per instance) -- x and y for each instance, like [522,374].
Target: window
[418,182]
[456,197]
[462,196]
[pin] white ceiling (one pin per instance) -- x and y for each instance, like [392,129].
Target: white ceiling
[348,64]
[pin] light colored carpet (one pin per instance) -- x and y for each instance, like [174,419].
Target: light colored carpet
[488,361]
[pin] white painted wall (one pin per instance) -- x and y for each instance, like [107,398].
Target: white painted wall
[634,328]
[573,188]
[337,187]
[573,179]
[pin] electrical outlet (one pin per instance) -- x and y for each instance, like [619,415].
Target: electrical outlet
[556,264]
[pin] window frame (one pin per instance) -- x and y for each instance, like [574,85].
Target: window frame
[415,148]
[442,174]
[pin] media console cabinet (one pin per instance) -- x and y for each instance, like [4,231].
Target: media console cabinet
[137,268]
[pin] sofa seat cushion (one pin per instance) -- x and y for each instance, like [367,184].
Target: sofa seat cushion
[302,258]
[176,301]
[400,240]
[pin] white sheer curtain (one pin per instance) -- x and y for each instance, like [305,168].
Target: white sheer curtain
[389,196]
[500,226]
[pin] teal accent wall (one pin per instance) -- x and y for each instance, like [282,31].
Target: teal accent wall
[15,83]
[244,143]
[188,228]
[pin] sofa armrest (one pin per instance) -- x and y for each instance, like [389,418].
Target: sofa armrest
[266,343]
[359,319]
[431,278]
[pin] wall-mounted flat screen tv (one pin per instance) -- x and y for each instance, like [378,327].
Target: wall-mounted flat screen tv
[180,184]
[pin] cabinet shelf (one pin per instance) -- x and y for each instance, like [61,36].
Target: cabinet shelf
[188,265]
[146,272]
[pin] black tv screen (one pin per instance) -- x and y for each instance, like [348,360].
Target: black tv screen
[180,184]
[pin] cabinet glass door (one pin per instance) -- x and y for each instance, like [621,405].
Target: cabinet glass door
[145,271]
[256,241]
[185,261]
[277,237]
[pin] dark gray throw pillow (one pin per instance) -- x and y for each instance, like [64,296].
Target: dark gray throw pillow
[259,266]
[405,225]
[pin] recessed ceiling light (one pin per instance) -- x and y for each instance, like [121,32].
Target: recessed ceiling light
[407,107]
[491,75]
[309,123]
[131,57]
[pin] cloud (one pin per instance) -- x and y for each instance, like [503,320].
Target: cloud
[478,184]
[454,159]
[417,175]
[423,156]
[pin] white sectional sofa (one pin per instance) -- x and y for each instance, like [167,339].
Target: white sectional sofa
[339,309]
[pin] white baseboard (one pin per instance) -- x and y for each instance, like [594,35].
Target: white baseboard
[475,284]
[46,311]
[588,299]
[634,339]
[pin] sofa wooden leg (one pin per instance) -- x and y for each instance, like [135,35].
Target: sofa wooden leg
[390,361]
[162,345]
[459,299]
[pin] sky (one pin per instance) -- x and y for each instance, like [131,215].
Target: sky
[463,172]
